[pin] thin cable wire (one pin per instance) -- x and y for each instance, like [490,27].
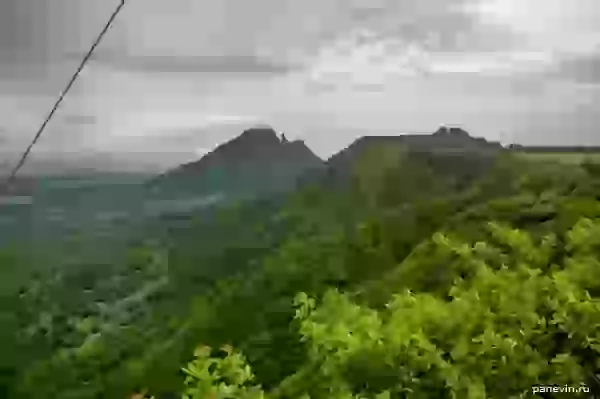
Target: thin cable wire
[64,93]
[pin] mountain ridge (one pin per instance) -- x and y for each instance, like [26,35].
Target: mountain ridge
[258,156]
[260,149]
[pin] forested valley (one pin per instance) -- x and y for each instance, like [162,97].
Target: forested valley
[392,270]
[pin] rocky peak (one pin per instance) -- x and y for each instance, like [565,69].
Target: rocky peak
[255,158]
[442,131]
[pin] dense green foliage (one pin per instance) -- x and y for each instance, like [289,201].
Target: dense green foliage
[508,322]
[423,275]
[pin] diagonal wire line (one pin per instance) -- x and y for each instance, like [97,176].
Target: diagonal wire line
[64,93]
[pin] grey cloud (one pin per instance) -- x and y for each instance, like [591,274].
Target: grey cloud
[183,139]
[178,137]
[34,30]
[33,35]
[417,21]
[366,13]
[369,87]
[279,27]
[220,64]
[580,69]
[4,139]
[66,138]
[16,33]
[435,25]
[79,120]
[320,87]
[13,140]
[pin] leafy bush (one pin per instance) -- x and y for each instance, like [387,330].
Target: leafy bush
[508,321]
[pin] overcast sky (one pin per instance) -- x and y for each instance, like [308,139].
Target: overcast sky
[174,78]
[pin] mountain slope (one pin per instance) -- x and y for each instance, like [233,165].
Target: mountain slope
[256,162]
[446,148]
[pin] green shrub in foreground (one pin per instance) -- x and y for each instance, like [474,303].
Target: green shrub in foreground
[502,328]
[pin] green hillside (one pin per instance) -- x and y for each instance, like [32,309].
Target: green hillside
[396,271]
